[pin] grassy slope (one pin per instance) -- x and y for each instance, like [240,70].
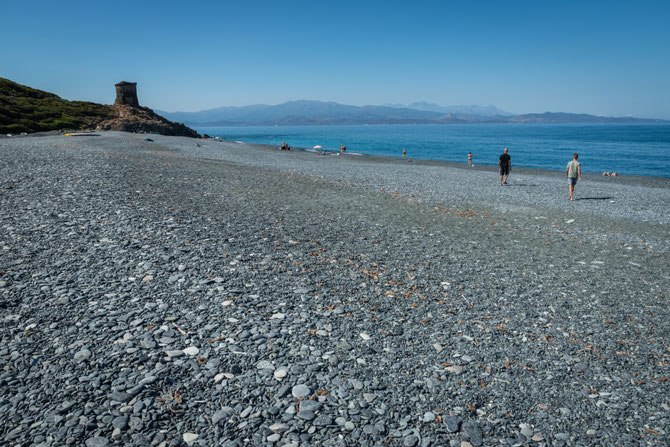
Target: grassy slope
[24,109]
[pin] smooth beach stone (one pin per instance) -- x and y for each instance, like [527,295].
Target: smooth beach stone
[97,441]
[370,429]
[82,355]
[323,420]
[278,427]
[526,430]
[452,423]
[264,364]
[310,405]
[120,422]
[190,438]
[191,350]
[119,396]
[222,414]
[473,431]
[456,369]
[369,397]
[410,441]
[300,391]
[306,415]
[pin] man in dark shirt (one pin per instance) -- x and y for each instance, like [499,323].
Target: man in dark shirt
[505,164]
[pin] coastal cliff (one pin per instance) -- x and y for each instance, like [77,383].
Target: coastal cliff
[25,109]
[143,119]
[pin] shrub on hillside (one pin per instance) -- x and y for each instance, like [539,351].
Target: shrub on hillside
[24,109]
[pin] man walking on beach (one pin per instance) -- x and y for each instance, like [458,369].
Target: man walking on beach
[505,164]
[574,174]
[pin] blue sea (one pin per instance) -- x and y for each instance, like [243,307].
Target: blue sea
[628,149]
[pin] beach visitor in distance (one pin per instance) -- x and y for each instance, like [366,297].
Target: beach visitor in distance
[469,158]
[505,164]
[343,148]
[404,153]
[574,174]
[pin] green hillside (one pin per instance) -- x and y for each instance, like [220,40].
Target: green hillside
[25,109]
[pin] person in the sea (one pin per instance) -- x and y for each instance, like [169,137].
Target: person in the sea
[343,148]
[505,165]
[404,153]
[469,158]
[574,174]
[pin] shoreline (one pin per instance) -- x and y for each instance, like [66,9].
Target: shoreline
[638,180]
[629,152]
[626,179]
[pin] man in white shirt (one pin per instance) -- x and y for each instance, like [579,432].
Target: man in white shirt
[574,173]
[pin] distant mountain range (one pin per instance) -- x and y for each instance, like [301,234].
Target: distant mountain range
[294,113]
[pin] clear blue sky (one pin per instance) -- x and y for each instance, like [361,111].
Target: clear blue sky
[600,57]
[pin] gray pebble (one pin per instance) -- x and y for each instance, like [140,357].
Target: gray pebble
[310,405]
[323,420]
[82,355]
[428,416]
[97,441]
[306,415]
[300,391]
[452,424]
[222,414]
[410,441]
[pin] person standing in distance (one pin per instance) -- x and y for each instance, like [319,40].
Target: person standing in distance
[470,159]
[505,164]
[574,174]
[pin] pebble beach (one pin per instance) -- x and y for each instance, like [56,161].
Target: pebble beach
[182,292]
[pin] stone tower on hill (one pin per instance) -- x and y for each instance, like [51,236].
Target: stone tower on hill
[126,93]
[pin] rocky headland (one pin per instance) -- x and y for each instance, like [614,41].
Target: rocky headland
[143,120]
[27,110]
